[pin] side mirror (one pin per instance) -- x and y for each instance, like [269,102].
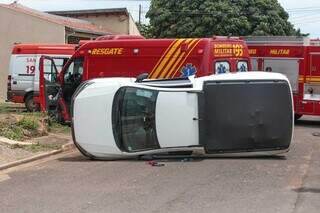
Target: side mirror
[142,77]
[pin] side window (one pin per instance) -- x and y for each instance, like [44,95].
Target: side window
[222,67]
[242,66]
[60,62]
[74,72]
[49,71]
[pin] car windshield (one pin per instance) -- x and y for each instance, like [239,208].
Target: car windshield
[133,119]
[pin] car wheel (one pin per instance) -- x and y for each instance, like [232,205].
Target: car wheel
[30,104]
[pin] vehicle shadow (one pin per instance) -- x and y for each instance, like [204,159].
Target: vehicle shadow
[169,159]
[307,123]
[307,190]
[74,158]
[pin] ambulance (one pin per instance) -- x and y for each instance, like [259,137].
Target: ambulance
[125,56]
[296,57]
[23,78]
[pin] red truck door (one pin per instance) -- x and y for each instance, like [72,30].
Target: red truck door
[50,92]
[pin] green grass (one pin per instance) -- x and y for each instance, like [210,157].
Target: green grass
[17,130]
[11,131]
[55,127]
[34,148]
[4,108]
[41,147]
[29,123]
[12,108]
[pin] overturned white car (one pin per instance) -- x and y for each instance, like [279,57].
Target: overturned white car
[242,114]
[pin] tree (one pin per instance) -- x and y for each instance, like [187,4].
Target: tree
[145,30]
[204,18]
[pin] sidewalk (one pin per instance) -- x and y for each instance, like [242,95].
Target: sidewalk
[12,151]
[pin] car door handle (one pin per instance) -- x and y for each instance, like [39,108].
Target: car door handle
[14,82]
[197,119]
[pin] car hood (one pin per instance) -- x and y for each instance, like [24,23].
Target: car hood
[92,117]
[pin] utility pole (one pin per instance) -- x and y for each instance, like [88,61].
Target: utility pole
[140,8]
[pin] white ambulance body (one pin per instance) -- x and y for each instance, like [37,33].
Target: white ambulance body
[23,78]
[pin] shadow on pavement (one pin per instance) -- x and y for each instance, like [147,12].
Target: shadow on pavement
[78,158]
[306,123]
[170,159]
[307,190]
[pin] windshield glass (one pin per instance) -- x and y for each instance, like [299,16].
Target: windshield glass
[134,119]
[74,72]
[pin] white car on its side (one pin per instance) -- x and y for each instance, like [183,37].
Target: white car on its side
[242,114]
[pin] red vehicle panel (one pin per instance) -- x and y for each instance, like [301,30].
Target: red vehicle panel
[159,58]
[299,60]
[54,49]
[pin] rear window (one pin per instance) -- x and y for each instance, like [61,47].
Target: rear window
[242,66]
[222,67]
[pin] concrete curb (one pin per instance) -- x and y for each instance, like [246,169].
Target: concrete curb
[7,141]
[64,148]
[68,146]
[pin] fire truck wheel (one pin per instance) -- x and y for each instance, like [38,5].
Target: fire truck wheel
[297,117]
[30,104]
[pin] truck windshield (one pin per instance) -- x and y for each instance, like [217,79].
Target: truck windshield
[133,119]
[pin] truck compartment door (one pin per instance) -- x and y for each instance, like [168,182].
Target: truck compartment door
[288,67]
[244,116]
[312,85]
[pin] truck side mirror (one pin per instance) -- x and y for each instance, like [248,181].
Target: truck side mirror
[310,90]
[142,77]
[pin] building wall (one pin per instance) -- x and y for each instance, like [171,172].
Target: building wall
[133,29]
[20,27]
[116,23]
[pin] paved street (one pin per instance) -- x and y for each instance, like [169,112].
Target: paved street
[71,183]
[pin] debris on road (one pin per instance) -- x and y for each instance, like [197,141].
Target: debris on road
[155,163]
[316,134]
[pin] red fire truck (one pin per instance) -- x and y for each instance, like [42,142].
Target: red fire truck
[118,56]
[296,57]
[23,78]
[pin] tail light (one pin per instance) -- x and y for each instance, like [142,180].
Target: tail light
[9,82]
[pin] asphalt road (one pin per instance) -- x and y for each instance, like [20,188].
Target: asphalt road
[71,183]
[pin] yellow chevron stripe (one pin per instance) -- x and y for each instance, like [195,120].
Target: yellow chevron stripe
[179,67]
[167,58]
[174,59]
[313,79]
[162,57]
[173,69]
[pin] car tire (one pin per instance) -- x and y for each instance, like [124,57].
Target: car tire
[30,104]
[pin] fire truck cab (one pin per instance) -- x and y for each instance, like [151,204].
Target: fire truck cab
[118,56]
[296,57]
